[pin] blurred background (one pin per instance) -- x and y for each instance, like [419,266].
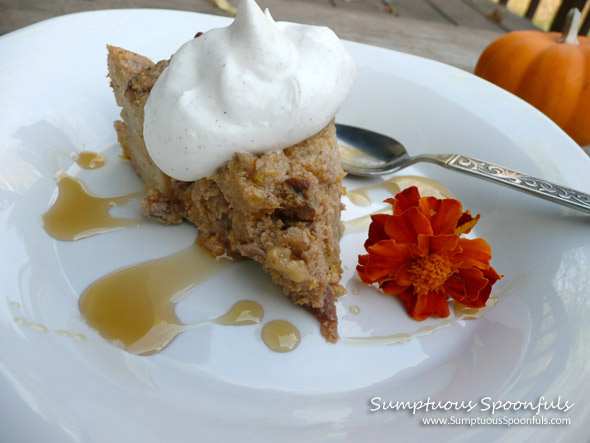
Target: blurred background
[501,15]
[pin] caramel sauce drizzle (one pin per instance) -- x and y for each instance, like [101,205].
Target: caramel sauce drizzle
[89,159]
[133,307]
[78,214]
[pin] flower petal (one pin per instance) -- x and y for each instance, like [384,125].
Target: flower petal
[420,307]
[465,218]
[385,257]
[404,200]
[438,244]
[466,223]
[360,269]
[407,297]
[476,252]
[405,228]
[392,287]
[492,277]
[467,287]
[442,214]
[377,229]
[415,251]
[403,275]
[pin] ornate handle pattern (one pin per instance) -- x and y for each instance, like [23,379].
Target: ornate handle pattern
[523,182]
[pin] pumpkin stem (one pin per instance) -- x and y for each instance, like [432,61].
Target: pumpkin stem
[572,24]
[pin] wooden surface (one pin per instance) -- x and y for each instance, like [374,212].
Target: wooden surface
[451,31]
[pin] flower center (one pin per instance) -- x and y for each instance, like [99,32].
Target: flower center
[430,273]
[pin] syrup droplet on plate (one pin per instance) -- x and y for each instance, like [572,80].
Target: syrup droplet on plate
[244,312]
[36,326]
[78,214]
[89,159]
[64,333]
[281,336]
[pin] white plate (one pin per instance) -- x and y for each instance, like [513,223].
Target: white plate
[220,383]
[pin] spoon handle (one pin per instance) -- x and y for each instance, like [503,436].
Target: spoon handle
[517,180]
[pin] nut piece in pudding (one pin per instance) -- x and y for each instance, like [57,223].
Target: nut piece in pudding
[279,206]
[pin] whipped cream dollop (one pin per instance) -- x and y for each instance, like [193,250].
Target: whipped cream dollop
[254,86]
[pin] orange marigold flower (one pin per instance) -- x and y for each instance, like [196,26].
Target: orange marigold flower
[417,254]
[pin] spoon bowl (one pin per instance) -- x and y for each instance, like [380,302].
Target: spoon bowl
[368,153]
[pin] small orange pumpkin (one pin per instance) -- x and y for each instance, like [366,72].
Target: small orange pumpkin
[549,70]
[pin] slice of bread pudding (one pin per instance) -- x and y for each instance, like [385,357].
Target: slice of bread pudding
[281,209]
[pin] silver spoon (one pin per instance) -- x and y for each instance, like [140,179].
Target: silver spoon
[368,153]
